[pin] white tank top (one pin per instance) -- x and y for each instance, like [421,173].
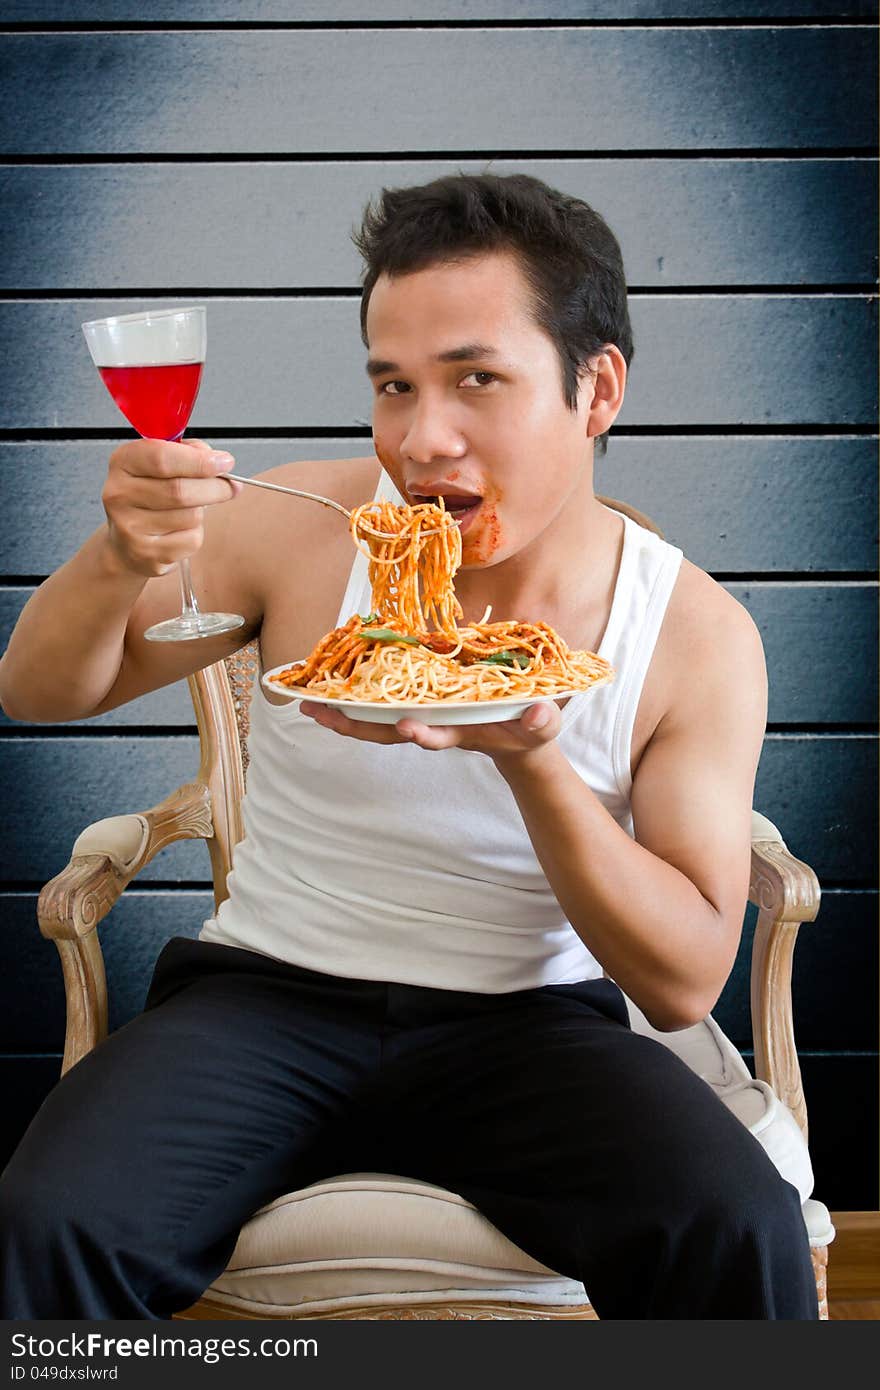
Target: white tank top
[397,864]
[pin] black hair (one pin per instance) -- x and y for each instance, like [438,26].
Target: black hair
[568,253]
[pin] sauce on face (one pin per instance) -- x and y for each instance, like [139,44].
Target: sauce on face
[485,538]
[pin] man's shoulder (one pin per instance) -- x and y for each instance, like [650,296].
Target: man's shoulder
[705,616]
[711,641]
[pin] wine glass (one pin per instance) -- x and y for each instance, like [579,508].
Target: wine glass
[151,363]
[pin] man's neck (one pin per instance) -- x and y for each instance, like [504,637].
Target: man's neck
[570,569]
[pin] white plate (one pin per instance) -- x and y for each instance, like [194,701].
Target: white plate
[441,712]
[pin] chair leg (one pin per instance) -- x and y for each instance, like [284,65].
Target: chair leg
[819,1255]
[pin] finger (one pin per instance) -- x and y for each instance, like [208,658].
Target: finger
[169,522]
[169,494]
[160,460]
[312,710]
[353,728]
[233,486]
[542,722]
[431,736]
[167,549]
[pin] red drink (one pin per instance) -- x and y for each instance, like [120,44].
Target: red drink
[157,401]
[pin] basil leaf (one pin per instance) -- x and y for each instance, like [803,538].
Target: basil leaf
[384,634]
[518,659]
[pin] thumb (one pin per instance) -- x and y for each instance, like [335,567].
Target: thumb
[542,722]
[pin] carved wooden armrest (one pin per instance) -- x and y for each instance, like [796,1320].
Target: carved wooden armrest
[105,858]
[786,893]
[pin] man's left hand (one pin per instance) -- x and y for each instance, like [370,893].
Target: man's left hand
[537,727]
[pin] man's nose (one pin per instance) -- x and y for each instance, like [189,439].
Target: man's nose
[432,434]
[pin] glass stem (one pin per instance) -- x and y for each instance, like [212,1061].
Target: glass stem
[187,596]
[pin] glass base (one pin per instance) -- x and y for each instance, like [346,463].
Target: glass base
[190,626]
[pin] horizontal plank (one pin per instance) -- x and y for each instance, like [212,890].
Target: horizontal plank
[821,793]
[734,505]
[299,363]
[841,1095]
[819,790]
[415,11]
[769,506]
[680,222]
[686,88]
[820,643]
[833,989]
[816,637]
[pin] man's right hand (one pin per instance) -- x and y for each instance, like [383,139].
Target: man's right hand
[155,497]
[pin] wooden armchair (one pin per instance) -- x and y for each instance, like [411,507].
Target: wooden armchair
[368,1245]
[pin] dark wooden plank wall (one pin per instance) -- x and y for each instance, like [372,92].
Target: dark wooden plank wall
[224,149]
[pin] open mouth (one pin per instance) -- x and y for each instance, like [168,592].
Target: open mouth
[463,507]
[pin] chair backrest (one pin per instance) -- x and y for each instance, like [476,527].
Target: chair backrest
[221,696]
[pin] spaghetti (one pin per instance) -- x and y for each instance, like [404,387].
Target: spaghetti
[410,649]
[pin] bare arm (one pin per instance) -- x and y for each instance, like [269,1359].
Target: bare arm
[78,647]
[663,912]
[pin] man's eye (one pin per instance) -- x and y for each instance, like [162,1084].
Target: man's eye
[481,378]
[393,388]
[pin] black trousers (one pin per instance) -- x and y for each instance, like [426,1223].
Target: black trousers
[594,1149]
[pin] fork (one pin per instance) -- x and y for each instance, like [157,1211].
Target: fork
[315,497]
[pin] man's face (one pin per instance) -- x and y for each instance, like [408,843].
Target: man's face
[469,403]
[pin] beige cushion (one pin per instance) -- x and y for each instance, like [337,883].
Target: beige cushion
[376,1238]
[764,830]
[122,838]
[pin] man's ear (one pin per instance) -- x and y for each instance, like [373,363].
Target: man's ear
[604,387]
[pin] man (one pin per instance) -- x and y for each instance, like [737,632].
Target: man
[429,929]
